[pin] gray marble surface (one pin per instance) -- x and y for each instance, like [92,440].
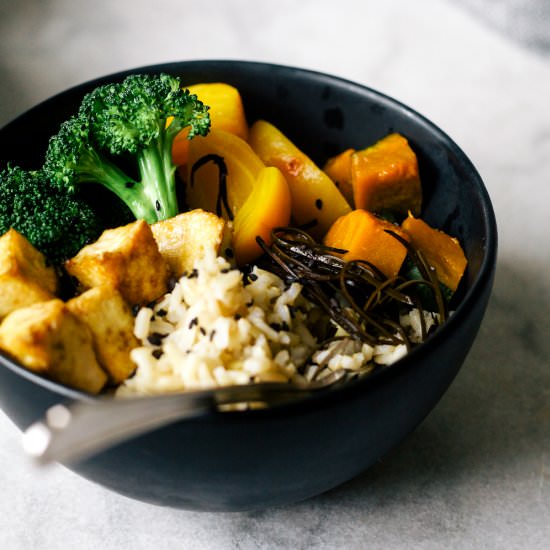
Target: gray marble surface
[476,473]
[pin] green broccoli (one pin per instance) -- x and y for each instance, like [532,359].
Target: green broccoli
[55,222]
[122,122]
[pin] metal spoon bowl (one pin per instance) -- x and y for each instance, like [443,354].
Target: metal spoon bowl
[73,432]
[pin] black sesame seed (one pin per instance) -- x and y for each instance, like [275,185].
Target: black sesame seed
[212,334]
[203,332]
[253,276]
[158,353]
[155,339]
[193,274]
[157,205]
[194,321]
[237,316]
[171,284]
[319,204]
[162,313]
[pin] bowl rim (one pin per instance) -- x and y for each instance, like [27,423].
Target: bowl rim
[483,278]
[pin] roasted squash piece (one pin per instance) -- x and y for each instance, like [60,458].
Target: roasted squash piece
[126,258]
[385,177]
[338,169]
[268,206]
[441,251]
[363,235]
[316,201]
[48,339]
[25,277]
[183,239]
[111,323]
[226,113]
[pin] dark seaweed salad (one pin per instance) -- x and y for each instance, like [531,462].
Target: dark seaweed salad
[356,294]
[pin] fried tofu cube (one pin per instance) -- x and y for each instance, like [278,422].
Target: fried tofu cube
[25,277]
[183,239]
[48,339]
[110,320]
[126,258]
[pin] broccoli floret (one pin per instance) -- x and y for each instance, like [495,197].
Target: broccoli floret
[136,119]
[55,222]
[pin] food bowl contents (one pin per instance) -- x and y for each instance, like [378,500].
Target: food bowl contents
[220,326]
[220,254]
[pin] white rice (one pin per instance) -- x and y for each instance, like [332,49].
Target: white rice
[218,327]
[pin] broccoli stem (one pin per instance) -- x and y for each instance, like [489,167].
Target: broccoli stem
[96,169]
[157,176]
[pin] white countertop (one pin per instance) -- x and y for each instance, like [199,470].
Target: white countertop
[476,473]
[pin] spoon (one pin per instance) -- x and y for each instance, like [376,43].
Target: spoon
[76,431]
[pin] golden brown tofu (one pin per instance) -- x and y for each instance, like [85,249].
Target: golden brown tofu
[111,323]
[25,278]
[126,258]
[183,239]
[49,340]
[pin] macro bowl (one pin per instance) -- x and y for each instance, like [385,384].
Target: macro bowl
[258,458]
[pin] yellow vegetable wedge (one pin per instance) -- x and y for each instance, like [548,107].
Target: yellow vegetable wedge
[268,206]
[208,158]
[226,113]
[316,201]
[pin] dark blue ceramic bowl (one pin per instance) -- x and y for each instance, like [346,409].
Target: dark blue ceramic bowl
[253,459]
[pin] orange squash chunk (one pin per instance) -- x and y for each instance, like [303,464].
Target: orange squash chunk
[364,237]
[441,251]
[385,177]
[338,169]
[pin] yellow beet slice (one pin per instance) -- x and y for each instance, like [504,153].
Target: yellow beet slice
[226,113]
[316,201]
[364,237]
[385,177]
[243,166]
[268,206]
[441,251]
